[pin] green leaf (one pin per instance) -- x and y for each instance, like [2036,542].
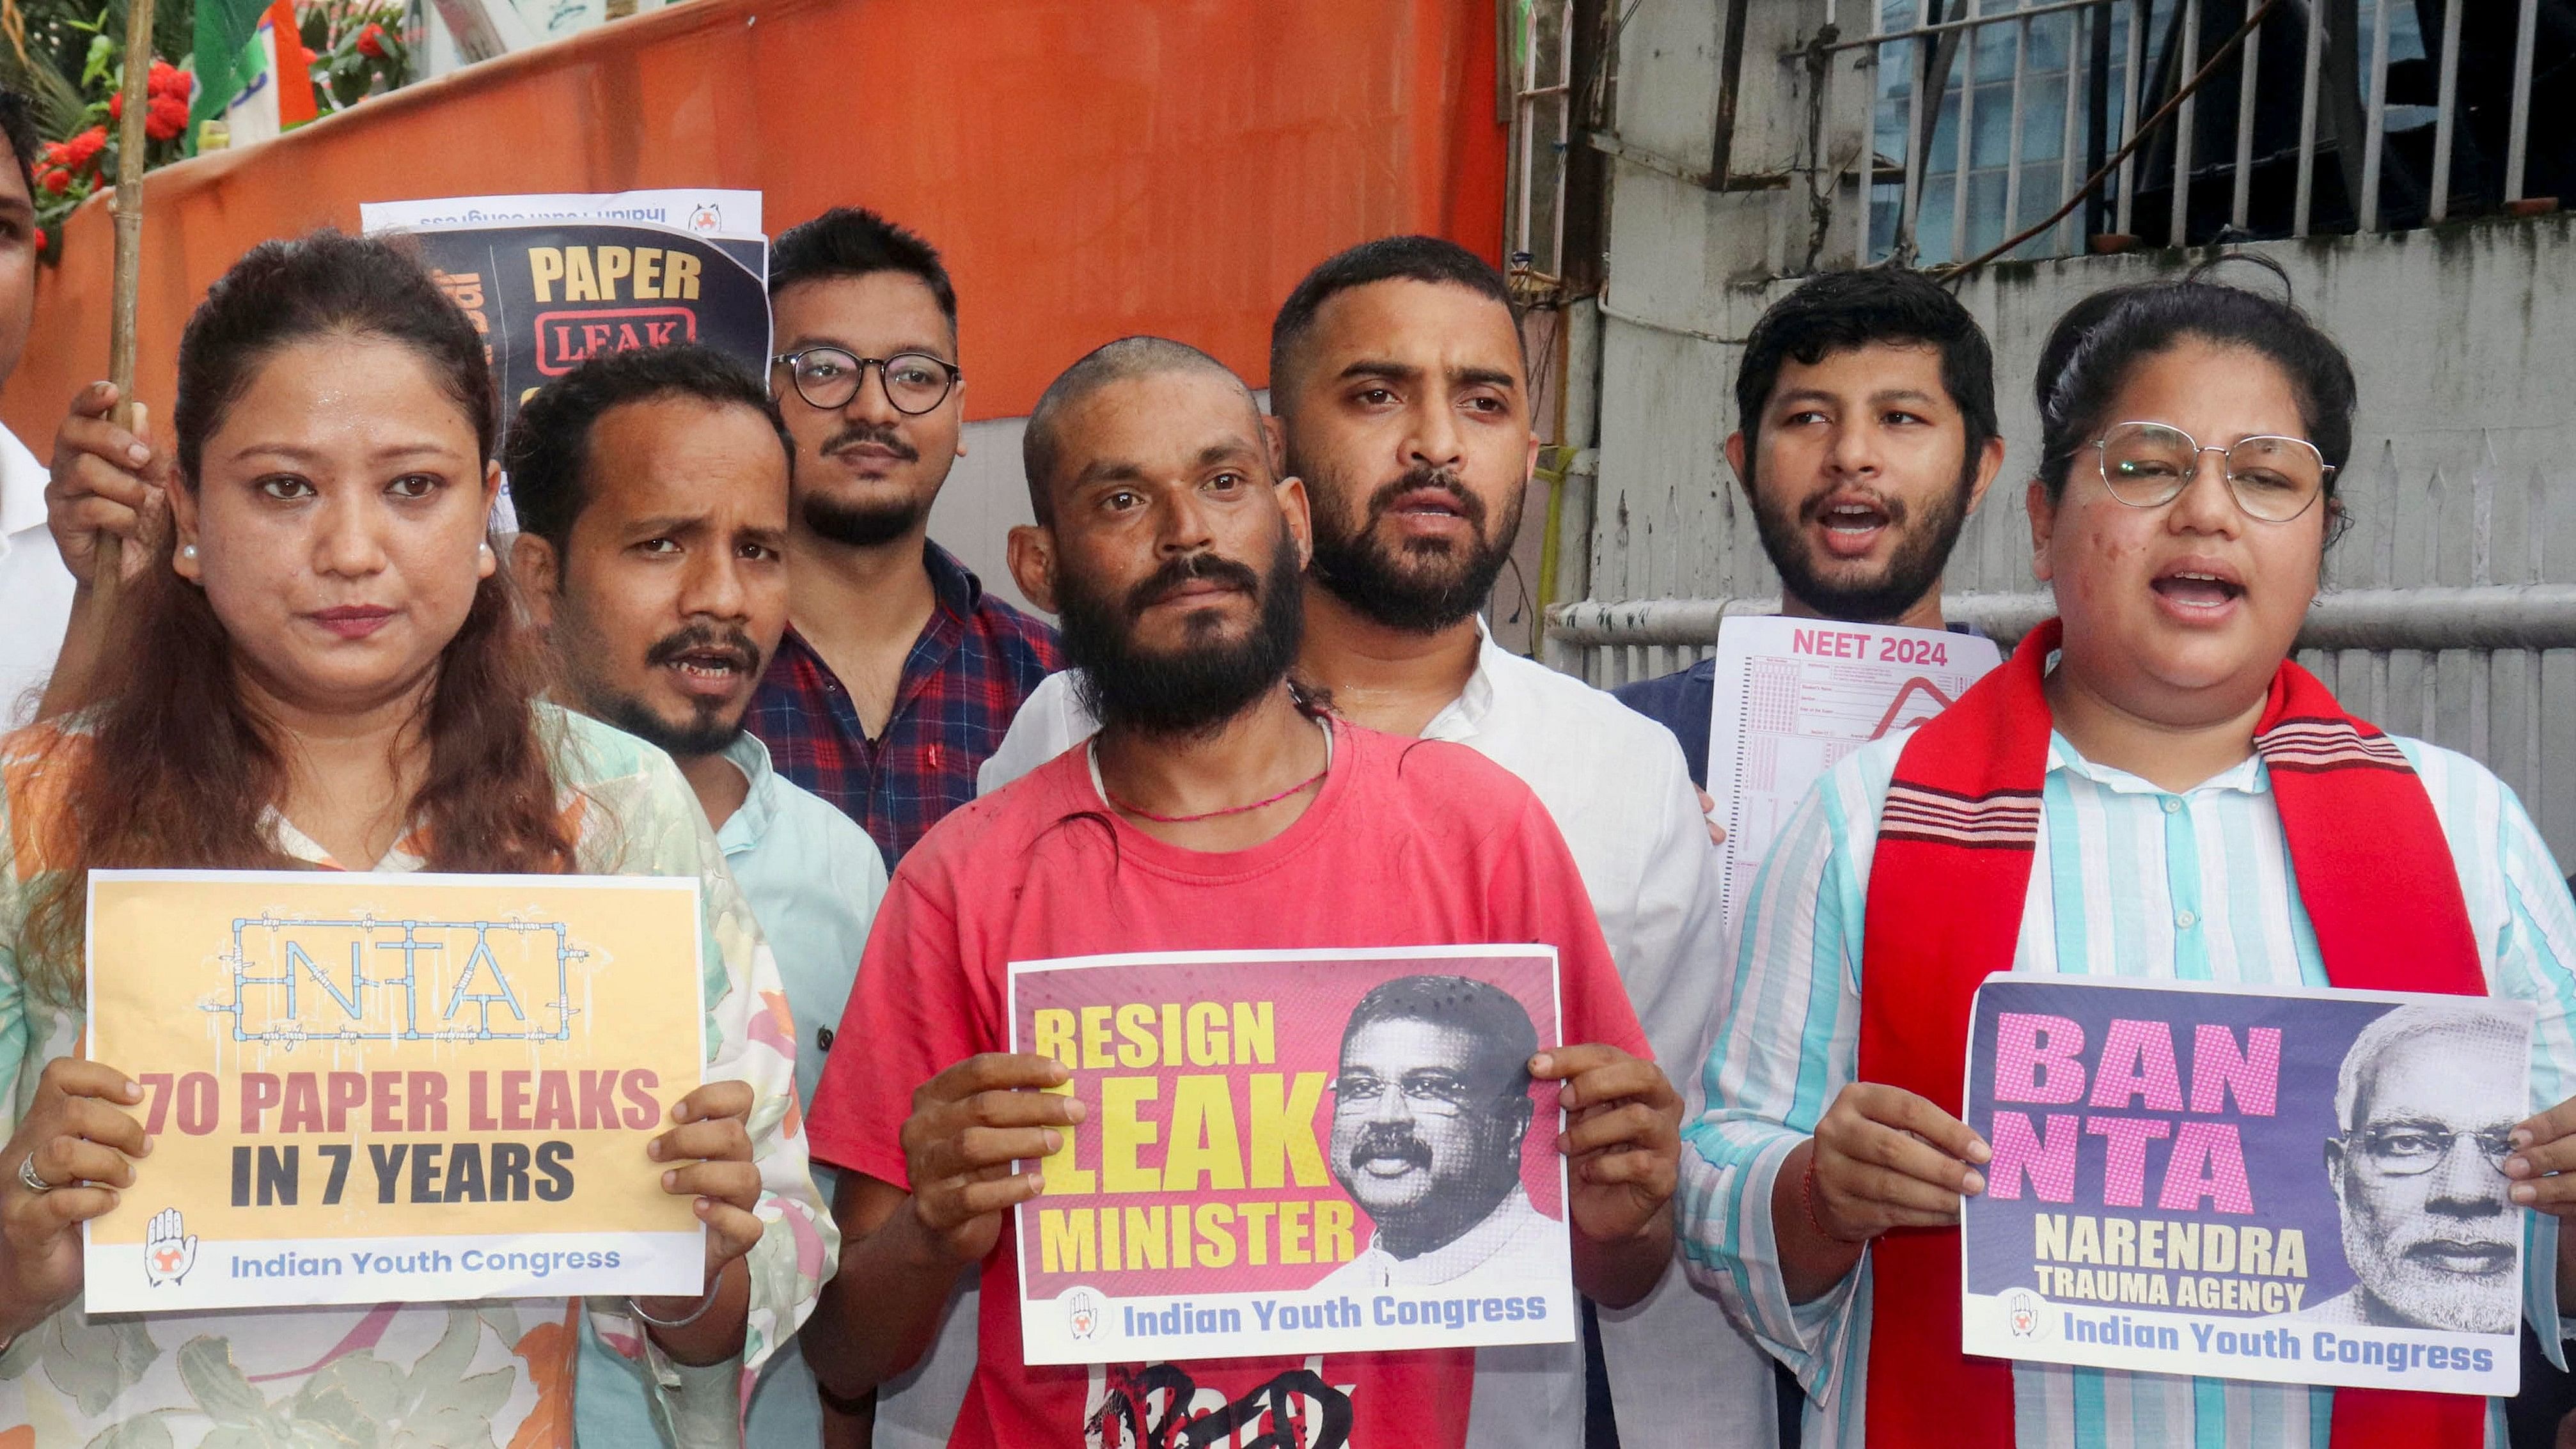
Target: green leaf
[235,1436]
[434,1377]
[502,1319]
[95,1362]
[314,1434]
[444,1426]
[327,1418]
[145,1431]
[100,60]
[372,1386]
[481,1395]
[206,1367]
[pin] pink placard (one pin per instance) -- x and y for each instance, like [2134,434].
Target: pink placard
[1209,1197]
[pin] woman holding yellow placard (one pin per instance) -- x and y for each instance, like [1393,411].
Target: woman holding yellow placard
[324,669]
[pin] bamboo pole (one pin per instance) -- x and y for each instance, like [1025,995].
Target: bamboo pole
[106,579]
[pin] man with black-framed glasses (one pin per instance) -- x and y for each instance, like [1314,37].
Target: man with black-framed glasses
[1430,1105]
[2425,1107]
[898,675]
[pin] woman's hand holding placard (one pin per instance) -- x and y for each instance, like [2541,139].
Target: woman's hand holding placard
[74,1138]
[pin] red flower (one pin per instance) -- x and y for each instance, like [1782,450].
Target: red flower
[57,154]
[81,149]
[166,118]
[40,238]
[165,81]
[371,42]
[56,182]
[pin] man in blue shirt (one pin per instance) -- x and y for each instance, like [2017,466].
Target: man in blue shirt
[1866,436]
[652,488]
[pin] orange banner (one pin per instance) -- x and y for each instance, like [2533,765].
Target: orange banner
[1168,166]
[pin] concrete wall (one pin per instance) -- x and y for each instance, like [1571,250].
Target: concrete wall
[985,496]
[2463,338]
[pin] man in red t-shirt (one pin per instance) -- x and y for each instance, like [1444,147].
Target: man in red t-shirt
[1218,808]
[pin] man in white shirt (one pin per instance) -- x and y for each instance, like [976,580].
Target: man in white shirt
[1402,400]
[35,588]
[652,495]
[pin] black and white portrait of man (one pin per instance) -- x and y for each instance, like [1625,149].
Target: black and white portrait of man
[2424,1108]
[1430,1107]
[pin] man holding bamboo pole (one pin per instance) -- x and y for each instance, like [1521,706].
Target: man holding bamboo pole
[96,553]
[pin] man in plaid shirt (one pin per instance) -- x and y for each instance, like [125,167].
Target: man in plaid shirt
[898,675]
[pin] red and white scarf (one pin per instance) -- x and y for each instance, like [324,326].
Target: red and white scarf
[1946,892]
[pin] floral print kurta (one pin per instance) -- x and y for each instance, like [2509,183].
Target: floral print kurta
[490,1373]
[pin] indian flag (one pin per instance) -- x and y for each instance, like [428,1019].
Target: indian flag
[252,68]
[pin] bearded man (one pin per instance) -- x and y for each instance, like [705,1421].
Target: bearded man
[1400,398]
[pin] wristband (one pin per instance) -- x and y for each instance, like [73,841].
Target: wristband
[715,1290]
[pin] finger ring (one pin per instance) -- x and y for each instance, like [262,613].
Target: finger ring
[27,1175]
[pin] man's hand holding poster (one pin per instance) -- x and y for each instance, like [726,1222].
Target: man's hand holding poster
[2301,1186]
[1295,1152]
[377,1088]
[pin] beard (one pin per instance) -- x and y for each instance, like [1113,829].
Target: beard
[1426,585]
[2427,1297]
[711,724]
[860,525]
[1922,552]
[864,525]
[1208,680]
[705,732]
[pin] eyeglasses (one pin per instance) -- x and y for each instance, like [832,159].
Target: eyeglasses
[1426,1093]
[2407,1149]
[2147,465]
[828,377]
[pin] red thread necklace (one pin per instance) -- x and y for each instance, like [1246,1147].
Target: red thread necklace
[1093,756]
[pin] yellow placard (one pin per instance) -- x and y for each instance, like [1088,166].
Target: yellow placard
[370,1088]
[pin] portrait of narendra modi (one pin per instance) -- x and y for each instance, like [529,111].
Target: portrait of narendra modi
[2425,1107]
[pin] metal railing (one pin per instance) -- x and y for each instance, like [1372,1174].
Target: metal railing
[2195,120]
[2492,616]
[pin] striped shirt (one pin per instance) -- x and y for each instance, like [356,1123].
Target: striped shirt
[2129,880]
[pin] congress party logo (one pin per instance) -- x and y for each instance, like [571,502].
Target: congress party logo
[169,1249]
[2021,1313]
[1082,1313]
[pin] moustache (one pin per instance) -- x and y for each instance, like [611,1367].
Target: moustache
[1191,568]
[2435,1252]
[1386,1140]
[1423,476]
[730,645]
[881,434]
[1814,507]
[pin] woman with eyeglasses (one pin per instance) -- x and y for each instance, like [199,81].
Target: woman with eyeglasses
[323,669]
[2148,787]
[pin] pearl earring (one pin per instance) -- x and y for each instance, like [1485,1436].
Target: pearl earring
[483,553]
[188,551]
